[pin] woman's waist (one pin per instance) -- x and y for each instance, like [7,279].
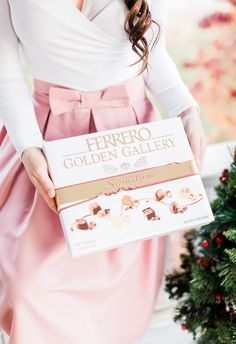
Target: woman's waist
[130,89]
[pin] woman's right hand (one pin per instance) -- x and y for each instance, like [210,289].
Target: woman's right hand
[36,166]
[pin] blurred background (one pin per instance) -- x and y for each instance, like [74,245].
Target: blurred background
[202,41]
[201,38]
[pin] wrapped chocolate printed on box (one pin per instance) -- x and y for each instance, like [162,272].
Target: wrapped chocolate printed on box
[123,185]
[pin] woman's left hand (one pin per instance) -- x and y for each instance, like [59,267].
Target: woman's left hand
[195,133]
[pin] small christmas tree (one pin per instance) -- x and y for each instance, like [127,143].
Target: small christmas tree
[205,284]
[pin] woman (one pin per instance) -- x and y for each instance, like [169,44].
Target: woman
[90,47]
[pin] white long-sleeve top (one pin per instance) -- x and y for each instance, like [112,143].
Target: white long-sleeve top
[86,50]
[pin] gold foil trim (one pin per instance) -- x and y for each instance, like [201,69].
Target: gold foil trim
[126,181]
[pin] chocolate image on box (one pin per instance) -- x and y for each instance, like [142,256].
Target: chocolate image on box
[92,225]
[94,208]
[159,195]
[168,193]
[82,224]
[150,214]
[187,194]
[103,212]
[128,201]
[175,208]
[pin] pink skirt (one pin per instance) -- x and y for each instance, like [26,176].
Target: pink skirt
[46,296]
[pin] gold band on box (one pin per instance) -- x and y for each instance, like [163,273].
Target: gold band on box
[126,181]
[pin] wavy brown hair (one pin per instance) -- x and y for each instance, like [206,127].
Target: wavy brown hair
[137,22]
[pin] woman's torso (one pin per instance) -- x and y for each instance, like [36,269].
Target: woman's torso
[88,50]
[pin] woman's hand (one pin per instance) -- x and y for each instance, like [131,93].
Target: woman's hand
[37,169]
[195,133]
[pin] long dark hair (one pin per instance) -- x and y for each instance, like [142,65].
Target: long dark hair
[137,22]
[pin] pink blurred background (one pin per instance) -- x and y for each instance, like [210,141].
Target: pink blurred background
[201,38]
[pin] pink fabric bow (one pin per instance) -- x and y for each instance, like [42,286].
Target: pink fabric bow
[64,100]
[109,108]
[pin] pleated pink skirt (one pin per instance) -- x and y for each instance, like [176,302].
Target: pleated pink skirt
[46,296]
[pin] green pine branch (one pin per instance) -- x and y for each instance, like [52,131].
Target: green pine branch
[205,284]
[202,285]
[226,331]
[227,273]
[230,234]
[232,256]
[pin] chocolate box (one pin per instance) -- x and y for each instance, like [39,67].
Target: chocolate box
[127,184]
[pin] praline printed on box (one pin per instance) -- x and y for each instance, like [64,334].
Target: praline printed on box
[82,224]
[150,214]
[94,208]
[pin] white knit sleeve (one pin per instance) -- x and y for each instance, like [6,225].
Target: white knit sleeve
[16,105]
[163,79]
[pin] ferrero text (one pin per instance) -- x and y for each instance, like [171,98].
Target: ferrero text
[117,145]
